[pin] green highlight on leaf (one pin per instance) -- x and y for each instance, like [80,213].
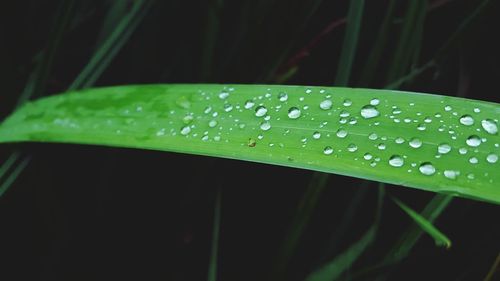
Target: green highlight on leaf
[427,226]
[437,143]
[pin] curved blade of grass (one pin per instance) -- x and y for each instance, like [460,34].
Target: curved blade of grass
[212,265]
[427,226]
[381,135]
[336,267]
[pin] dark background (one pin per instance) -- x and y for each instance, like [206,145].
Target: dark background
[93,213]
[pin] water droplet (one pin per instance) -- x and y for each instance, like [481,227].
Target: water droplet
[185,130]
[450,174]
[369,111]
[477,110]
[462,150]
[374,101]
[326,104]
[265,126]
[347,102]
[293,113]
[228,108]
[492,158]
[341,133]
[328,150]
[396,110]
[249,104]
[415,143]
[396,161]
[444,148]
[447,108]
[352,147]
[490,126]
[316,135]
[282,97]
[381,146]
[399,140]
[260,111]
[308,91]
[367,156]
[473,160]
[372,136]
[421,127]
[473,141]
[427,169]
[344,113]
[223,95]
[212,123]
[467,120]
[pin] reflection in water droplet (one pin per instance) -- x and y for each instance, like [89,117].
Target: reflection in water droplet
[352,147]
[473,141]
[212,123]
[228,108]
[427,169]
[293,113]
[490,126]
[444,148]
[462,150]
[369,111]
[341,133]
[396,161]
[328,150]
[326,104]
[367,156]
[450,174]
[283,97]
[381,146]
[415,143]
[421,127]
[473,160]
[399,140]
[374,101]
[185,130]
[260,111]
[372,136]
[467,120]
[347,102]
[223,95]
[265,126]
[447,108]
[316,135]
[492,158]
[249,104]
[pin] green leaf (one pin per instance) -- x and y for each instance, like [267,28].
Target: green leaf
[437,143]
[427,226]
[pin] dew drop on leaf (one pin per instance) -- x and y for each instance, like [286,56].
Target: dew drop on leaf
[374,101]
[212,123]
[328,150]
[490,126]
[369,111]
[260,111]
[352,147]
[185,130]
[282,97]
[347,102]
[396,161]
[249,104]
[265,126]
[427,169]
[223,95]
[415,143]
[492,158]
[467,120]
[473,160]
[326,104]
[444,148]
[294,113]
[316,135]
[450,174]
[367,156]
[341,133]
[473,141]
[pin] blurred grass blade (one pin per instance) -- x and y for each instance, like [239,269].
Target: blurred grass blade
[427,226]
[335,268]
[116,11]
[209,37]
[8,163]
[375,56]
[212,265]
[110,47]
[350,42]
[437,143]
[13,176]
